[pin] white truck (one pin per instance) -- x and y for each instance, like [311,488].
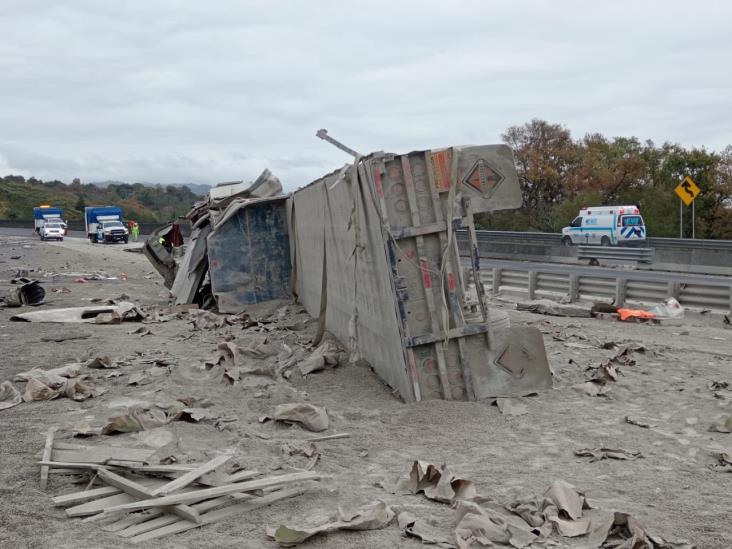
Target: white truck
[606,226]
[104,224]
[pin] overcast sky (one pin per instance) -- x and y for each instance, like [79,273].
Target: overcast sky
[175,91]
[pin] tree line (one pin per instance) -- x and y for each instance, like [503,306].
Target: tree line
[559,175]
[143,203]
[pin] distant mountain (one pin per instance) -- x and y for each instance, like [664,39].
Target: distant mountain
[142,202]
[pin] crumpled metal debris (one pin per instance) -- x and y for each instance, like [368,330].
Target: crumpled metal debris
[9,395]
[423,530]
[437,483]
[29,293]
[103,314]
[598,454]
[373,516]
[311,417]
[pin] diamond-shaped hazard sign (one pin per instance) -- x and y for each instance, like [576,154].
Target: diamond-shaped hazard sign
[483,178]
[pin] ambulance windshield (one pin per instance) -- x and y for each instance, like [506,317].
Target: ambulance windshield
[632,221]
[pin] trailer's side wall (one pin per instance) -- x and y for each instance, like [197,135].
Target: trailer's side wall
[320,217]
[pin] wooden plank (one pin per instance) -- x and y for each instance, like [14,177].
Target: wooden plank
[191,476]
[47,455]
[98,505]
[141,492]
[103,455]
[219,514]
[241,475]
[165,520]
[80,497]
[134,518]
[328,437]
[198,495]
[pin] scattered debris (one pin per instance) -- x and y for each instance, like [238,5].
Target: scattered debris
[101,362]
[638,422]
[29,293]
[171,506]
[9,395]
[325,356]
[141,331]
[512,406]
[112,314]
[61,290]
[723,426]
[373,516]
[670,308]
[592,388]
[598,454]
[521,523]
[637,315]
[307,449]
[65,337]
[437,483]
[551,308]
[423,530]
[718,385]
[311,417]
[724,463]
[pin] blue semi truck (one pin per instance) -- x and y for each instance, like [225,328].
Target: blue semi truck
[104,224]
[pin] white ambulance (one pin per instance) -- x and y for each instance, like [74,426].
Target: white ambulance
[606,226]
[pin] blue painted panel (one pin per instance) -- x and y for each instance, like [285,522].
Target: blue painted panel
[249,257]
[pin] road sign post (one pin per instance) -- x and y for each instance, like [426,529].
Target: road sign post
[687,191]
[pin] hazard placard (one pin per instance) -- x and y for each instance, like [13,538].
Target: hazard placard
[687,190]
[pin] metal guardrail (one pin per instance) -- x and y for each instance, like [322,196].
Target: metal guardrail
[555,239]
[576,282]
[593,253]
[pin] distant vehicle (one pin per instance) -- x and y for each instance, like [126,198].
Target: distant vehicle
[52,230]
[44,214]
[606,226]
[104,223]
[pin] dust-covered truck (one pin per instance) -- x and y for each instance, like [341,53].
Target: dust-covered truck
[104,224]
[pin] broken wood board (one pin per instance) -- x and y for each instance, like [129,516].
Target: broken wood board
[139,491]
[46,456]
[198,495]
[219,514]
[191,476]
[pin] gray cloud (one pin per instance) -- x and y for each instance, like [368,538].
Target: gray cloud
[176,91]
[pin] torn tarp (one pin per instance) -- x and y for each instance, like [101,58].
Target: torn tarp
[373,516]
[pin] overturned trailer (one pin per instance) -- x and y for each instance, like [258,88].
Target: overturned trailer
[374,256]
[371,251]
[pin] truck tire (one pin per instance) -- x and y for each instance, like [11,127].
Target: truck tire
[126,239]
[566,241]
[605,241]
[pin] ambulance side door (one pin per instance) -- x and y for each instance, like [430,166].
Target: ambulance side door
[589,232]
